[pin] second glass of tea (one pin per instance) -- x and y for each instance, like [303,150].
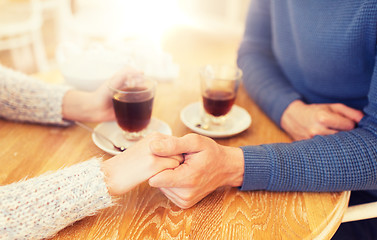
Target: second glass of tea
[219,85]
[132,98]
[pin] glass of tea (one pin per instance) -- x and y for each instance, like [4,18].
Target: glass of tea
[219,85]
[132,97]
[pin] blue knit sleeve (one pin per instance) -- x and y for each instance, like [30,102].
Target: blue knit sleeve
[263,79]
[343,161]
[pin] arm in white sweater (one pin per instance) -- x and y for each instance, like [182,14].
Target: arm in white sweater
[40,207]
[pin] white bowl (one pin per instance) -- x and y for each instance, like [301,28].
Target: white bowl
[88,69]
[87,75]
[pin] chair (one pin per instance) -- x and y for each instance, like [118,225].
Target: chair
[20,26]
[360,212]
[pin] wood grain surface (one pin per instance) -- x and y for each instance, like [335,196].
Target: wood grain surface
[28,150]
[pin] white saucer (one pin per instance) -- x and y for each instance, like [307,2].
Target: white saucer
[115,134]
[237,121]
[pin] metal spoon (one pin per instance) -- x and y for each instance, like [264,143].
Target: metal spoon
[204,123]
[121,148]
[203,126]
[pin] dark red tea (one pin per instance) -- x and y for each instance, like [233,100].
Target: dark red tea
[133,111]
[218,103]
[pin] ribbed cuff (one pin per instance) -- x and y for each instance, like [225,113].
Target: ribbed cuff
[257,168]
[55,106]
[281,105]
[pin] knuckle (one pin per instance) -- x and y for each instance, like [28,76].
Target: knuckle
[171,143]
[351,125]
[182,204]
[193,136]
[199,138]
[187,196]
[322,118]
[312,132]
[186,205]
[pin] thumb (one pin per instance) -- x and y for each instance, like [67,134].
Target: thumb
[165,147]
[169,146]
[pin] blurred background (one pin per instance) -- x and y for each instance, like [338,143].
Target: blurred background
[37,35]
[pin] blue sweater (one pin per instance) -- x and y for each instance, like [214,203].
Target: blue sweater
[320,52]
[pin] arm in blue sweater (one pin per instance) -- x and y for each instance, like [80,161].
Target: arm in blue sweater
[340,72]
[263,79]
[343,161]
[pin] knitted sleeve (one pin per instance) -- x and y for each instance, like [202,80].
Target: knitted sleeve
[343,161]
[262,77]
[40,207]
[23,98]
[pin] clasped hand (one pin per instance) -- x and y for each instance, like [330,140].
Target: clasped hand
[206,166]
[304,121]
[185,169]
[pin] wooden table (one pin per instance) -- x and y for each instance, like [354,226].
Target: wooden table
[145,213]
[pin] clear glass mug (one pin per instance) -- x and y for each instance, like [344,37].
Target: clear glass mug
[219,86]
[132,98]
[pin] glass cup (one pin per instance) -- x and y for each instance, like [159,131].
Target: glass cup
[133,101]
[219,85]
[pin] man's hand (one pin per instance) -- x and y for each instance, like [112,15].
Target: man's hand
[207,166]
[304,121]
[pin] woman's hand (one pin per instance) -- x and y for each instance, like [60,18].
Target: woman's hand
[136,165]
[88,106]
[304,121]
[93,106]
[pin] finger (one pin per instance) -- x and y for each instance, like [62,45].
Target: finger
[176,177]
[156,138]
[165,164]
[189,143]
[165,178]
[337,122]
[123,75]
[351,113]
[180,158]
[174,195]
[174,198]
[129,71]
[171,195]
[328,131]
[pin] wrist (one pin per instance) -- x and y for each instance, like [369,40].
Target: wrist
[108,167]
[72,107]
[293,107]
[235,170]
[290,112]
[76,106]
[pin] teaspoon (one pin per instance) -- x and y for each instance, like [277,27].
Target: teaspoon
[121,148]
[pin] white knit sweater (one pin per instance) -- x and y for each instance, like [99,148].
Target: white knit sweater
[38,208]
